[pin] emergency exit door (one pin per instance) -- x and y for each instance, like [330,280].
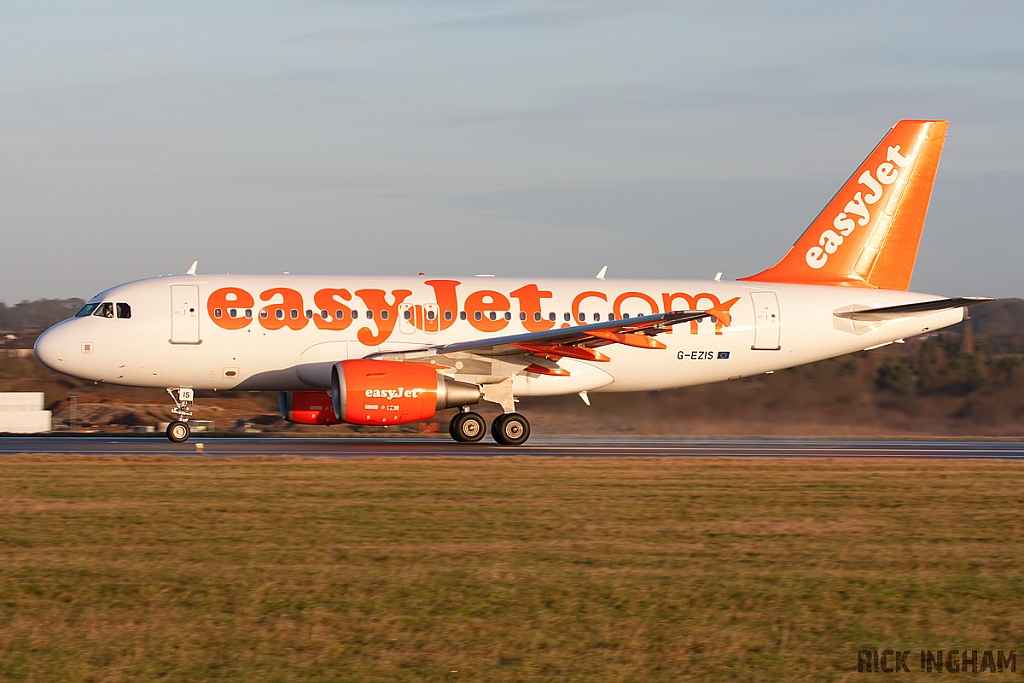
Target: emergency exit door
[184,314]
[766,321]
[412,317]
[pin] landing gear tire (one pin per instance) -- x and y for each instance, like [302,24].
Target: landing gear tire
[467,427]
[178,431]
[511,429]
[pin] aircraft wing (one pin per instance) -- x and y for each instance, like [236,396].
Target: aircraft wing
[636,332]
[578,341]
[907,310]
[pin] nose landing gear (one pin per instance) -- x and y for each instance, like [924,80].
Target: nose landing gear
[178,431]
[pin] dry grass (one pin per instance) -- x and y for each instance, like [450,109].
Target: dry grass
[123,569]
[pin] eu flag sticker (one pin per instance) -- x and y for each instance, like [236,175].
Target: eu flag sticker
[723,354]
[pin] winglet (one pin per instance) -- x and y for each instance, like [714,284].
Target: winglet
[192,268]
[600,275]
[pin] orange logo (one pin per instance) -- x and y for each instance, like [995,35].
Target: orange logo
[858,207]
[485,310]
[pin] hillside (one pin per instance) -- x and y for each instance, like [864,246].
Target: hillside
[33,316]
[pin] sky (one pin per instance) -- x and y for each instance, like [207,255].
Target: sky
[662,139]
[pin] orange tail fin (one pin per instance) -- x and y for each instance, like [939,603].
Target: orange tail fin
[868,234]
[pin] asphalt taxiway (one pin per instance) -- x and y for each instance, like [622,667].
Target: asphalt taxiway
[221,447]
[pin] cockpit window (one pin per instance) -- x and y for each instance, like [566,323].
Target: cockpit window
[124,310]
[86,310]
[105,310]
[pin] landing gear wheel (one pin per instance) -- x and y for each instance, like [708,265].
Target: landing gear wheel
[511,429]
[467,427]
[178,431]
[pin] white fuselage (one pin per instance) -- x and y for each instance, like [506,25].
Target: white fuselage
[177,336]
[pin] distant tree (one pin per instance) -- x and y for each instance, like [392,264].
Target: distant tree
[33,316]
[1008,370]
[967,340]
[897,377]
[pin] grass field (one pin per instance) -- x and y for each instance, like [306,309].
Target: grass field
[507,569]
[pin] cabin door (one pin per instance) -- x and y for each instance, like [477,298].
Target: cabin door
[766,321]
[184,314]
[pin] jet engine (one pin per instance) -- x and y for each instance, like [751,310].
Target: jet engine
[380,392]
[307,407]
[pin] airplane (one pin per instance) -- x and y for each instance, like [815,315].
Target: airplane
[395,350]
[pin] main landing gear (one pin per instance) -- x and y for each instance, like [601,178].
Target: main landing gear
[178,431]
[509,429]
[467,427]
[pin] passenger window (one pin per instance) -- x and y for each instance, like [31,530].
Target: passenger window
[383,315]
[106,310]
[407,314]
[369,315]
[431,315]
[597,317]
[462,315]
[355,314]
[264,314]
[295,314]
[551,316]
[583,316]
[447,315]
[86,310]
[248,313]
[309,314]
[611,316]
[567,317]
[536,316]
[338,314]
[124,310]
[477,315]
[508,316]
[494,316]
[323,313]
[232,312]
[280,314]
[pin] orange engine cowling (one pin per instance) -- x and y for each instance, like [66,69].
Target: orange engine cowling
[381,392]
[307,407]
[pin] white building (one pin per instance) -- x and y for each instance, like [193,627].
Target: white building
[21,412]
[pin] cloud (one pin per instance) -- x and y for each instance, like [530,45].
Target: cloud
[496,17]
[350,34]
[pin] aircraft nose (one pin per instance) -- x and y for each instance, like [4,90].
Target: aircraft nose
[50,348]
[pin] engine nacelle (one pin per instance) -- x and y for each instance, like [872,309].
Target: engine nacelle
[381,392]
[307,407]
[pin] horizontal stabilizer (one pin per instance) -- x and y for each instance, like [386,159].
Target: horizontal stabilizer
[907,310]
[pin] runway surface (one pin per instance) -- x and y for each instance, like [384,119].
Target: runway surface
[221,447]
